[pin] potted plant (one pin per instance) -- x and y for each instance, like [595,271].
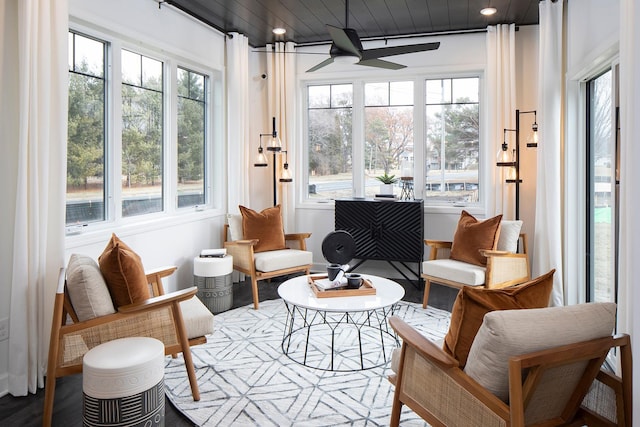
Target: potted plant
[387,183]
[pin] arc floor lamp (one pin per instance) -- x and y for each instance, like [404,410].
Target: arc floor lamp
[511,158]
[275,146]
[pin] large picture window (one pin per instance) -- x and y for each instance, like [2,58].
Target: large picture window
[359,131]
[160,138]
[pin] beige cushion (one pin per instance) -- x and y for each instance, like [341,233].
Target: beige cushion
[285,258]
[87,289]
[123,271]
[472,235]
[198,320]
[457,271]
[265,226]
[508,333]
[509,235]
[235,227]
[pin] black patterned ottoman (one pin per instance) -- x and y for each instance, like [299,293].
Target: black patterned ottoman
[123,383]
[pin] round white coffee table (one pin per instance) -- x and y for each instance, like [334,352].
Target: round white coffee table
[339,333]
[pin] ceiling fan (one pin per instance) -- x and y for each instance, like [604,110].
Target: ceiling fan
[346,47]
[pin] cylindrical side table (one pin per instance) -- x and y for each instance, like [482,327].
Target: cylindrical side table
[212,276]
[123,383]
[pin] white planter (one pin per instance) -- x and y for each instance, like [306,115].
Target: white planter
[386,188]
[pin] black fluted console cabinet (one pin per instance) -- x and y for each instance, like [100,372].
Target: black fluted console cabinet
[384,230]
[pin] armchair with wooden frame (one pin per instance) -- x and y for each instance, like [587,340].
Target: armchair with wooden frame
[162,317]
[561,385]
[503,268]
[269,264]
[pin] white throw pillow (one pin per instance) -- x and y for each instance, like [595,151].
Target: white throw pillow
[87,289]
[509,234]
[508,333]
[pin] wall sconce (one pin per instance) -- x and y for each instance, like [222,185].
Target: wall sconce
[512,160]
[275,146]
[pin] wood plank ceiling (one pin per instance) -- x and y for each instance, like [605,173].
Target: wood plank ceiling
[305,20]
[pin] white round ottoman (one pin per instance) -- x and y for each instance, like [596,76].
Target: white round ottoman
[212,276]
[123,383]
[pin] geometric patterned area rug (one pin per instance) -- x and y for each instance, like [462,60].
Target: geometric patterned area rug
[246,380]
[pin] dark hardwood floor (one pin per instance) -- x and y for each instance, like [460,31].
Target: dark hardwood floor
[27,411]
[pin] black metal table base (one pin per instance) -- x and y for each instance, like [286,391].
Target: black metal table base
[339,341]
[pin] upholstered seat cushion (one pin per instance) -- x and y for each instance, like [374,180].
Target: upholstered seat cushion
[284,258]
[198,320]
[508,333]
[457,271]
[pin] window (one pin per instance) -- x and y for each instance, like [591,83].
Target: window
[360,130]
[161,138]
[388,132]
[87,130]
[142,127]
[602,179]
[191,137]
[329,144]
[452,140]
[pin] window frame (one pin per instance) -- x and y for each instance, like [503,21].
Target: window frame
[485,147]
[214,162]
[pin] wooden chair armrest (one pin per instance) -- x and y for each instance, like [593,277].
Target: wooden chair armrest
[161,300]
[160,272]
[251,242]
[438,244]
[297,236]
[426,348]
[490,252]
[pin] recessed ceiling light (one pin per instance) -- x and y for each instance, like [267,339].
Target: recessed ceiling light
[279,31]
[487,11]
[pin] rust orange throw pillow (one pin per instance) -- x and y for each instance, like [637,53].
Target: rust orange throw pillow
[473,235]
[123,271]
[266,226]
[472,304]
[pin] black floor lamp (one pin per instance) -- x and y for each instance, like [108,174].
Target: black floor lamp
[275,146]
[512,159]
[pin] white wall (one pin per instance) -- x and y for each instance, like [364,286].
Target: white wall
[457,53]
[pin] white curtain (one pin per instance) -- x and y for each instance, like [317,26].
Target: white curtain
[629,267]
[547,252]
[281,69]
[501,94]
[38,245]
[238,123]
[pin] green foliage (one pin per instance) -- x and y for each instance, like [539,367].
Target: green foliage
[387,179]
[460,124]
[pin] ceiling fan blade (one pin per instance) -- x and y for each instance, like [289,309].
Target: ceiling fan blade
[375,62]
[345,39]
[320,65]
[398,50]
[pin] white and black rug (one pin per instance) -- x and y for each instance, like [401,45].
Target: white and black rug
[246,380]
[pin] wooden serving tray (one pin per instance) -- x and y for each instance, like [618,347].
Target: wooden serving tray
[365,289]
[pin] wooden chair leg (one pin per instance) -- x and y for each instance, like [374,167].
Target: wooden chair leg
[186,351]
[254,290]
[427,288]
[49,394]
